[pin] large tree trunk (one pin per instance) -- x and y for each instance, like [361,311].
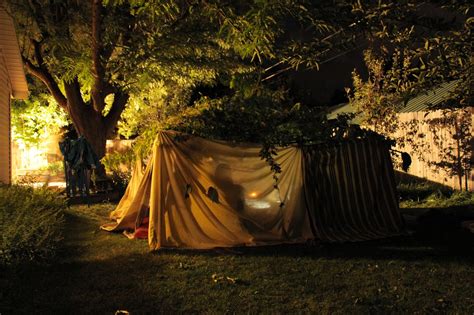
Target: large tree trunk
[89,122]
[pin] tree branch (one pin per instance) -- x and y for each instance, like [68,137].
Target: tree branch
[98,71]
[38,16]
[46,77]
[120,100]
[73,92]
[37,53]
[108,89]
[185,13]
[78,111]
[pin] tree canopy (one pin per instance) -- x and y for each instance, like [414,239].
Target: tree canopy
[98,57]
[92,55]
[410,59]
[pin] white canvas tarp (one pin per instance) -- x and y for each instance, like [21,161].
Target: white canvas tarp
[203,194]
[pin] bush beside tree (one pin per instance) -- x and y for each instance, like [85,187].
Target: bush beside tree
[31,222]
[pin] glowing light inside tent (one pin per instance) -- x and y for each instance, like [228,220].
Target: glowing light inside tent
[257,204]
[253,194]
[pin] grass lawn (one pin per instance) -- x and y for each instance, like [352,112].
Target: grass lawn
[99,273]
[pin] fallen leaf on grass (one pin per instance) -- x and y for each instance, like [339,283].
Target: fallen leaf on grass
[232,280]
[217,278]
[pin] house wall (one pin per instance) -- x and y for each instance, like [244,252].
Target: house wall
[5,92]
[430,151]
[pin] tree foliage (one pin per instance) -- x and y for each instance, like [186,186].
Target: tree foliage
[93,55]
[154,56]
[371,99]
[36,118]
[411,57]
[73,47]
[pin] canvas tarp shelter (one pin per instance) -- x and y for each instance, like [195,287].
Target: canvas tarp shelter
[204,194]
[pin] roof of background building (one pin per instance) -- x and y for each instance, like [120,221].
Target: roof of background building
[422,102]
[344,108]
[425,101]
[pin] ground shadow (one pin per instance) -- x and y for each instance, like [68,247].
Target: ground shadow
[436,234]
[73,284]
[149,282]
[97,287]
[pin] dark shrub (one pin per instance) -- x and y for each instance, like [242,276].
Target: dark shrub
[31,224]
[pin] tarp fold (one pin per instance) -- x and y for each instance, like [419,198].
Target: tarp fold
[204,194]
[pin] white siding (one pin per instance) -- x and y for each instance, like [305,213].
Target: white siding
[11,53]
[5,90]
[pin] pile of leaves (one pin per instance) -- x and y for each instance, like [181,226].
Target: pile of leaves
[31,223]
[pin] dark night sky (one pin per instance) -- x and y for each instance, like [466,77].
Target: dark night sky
[326,86]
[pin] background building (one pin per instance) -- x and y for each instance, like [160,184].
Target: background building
[431,137]
[12,84]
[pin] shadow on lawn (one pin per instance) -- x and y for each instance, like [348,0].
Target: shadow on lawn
[143,281]
[434,235]
[407,248]
[95,287]
[74,285]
